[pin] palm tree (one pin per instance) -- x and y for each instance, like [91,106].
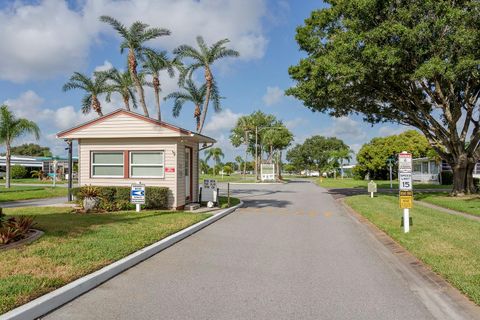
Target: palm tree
[133,39]
[93,86]
[191,94]
[154,63]
[339,156]
[239,160]
[10,129]
[204,166]
[216,154]
[121,83]
[204,58]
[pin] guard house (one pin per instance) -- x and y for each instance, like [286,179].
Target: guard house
[124,147]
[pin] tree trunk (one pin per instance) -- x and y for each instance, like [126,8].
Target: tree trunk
[8,157]
[209,82]
[126,102]
[96,105]
[463,176]
[156,88]
[132,66]
[196,115]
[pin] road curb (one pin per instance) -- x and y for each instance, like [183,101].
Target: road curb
[52,300]
[441,298]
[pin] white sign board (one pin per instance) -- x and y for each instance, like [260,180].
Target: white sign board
[267,171]
[209,190]
[405,162]
[137,194]
[405,180]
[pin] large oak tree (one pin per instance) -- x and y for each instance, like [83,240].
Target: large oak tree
[411,62]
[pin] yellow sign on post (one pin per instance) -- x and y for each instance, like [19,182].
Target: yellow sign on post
[406,202]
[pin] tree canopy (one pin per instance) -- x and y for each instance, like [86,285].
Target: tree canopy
[31,149]
[409,62]
[372,157]
[316,153]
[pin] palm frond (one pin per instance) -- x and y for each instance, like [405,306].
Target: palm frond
[120,28]
[86,103]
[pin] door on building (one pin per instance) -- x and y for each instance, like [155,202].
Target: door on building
[188,174]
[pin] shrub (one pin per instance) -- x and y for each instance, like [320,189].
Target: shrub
[18,172]
[447,177]
[118,198]
[156,198]
[358,172]
[476,183]
[15,228]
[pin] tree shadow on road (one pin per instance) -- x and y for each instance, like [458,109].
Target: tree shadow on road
[266,203]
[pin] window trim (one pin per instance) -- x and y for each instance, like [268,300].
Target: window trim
[93,176]
[131,164]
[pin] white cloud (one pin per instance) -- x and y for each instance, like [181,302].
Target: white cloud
[26,105]
[346,128]
[273,96]
[48,38]
[224,120]
[40,41]
[294,123]
[107,65]
[388,131]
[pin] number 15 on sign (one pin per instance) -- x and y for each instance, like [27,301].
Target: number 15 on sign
[405,180]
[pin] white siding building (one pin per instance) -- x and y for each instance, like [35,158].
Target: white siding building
[124,147]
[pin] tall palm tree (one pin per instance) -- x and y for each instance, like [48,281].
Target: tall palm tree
[10,129]
[92,86]
[338,156]
[239,160]
[204,58]
[154,63]
[191,94]
[121,83]
[216,154]
[134,38]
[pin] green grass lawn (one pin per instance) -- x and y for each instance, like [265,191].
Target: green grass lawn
[249,178]
[74,245]
[467,204]
[27,192]
[381,184]
[448,244]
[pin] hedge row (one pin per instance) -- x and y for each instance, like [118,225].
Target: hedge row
[118,198]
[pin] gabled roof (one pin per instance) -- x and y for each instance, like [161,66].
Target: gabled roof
[122,123]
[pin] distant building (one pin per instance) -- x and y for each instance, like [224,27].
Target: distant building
[38,163]
[427,170]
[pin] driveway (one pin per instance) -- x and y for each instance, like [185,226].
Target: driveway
[291,253]
[44,202]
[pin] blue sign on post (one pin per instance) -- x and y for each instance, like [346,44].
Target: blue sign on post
[137,194]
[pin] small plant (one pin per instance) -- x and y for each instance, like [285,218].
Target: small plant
[89,192]
[8,234]
[22,224]
[40,174]
[18,172]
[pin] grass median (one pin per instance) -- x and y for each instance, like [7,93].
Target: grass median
[75,245]
[363,184]
[15,193]
[448,244]
[467,204]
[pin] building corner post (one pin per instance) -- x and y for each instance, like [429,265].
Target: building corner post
[70,169]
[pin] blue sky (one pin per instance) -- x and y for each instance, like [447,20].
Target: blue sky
[45,41]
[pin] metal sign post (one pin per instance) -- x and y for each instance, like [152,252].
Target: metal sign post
[137,195]
[406,187]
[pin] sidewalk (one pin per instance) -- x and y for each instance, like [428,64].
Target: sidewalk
[44,202]
[449,211]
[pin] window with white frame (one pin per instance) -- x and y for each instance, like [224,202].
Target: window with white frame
[147,164]
[107,164]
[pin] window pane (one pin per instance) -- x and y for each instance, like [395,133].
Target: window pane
[108,158]
[147,158]
[147,171]
[108,171]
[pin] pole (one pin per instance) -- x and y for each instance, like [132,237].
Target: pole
[256,151]
[70,170]
[406,220]
[228,194]
[371,194]
[391,185]
[137,207]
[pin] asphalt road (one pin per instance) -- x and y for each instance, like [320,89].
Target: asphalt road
[44,202]
[291,253]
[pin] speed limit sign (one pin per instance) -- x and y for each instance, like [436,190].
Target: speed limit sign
[405,179]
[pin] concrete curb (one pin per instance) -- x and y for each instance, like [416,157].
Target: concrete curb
[50,301]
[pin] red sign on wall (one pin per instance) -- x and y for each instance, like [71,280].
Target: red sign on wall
[170,170]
